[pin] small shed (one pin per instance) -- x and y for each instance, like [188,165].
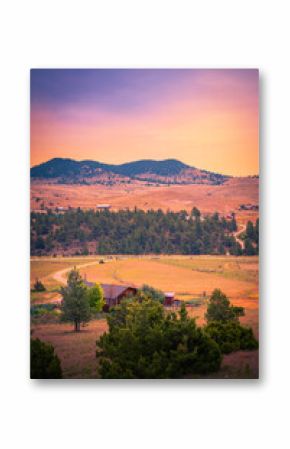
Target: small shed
[169,298]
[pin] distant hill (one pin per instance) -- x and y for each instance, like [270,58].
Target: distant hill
[169,171]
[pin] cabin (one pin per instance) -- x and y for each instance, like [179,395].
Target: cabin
[169,298]
[103,206]
[113,294]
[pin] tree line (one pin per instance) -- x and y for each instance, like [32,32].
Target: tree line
[135,232]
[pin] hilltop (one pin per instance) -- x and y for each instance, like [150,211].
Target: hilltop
[168,171]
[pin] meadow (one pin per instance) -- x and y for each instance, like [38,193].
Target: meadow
[190,277]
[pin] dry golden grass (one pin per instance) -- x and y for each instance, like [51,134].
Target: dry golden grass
[184,275]
[224,198]
[43,268]
[77,351]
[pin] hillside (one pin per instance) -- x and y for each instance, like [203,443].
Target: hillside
[169,171]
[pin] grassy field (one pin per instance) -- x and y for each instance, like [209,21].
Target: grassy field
[224,198]
[190,277]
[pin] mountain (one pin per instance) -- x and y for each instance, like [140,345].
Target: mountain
[169,171]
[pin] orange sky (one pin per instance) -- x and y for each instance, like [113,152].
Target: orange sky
[205,118]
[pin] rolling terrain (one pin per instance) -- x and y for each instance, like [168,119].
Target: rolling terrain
[224,198]
[168,171]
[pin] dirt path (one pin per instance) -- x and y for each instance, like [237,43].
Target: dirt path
[239,232]
[61,275]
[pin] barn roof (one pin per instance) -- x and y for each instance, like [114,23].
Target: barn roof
[111,291]
[169,294]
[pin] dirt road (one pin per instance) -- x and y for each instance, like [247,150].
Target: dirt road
[61,275]
[239,232]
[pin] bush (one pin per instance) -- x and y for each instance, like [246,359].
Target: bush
[96,298]
[152,293]
[44,364]
[220,309]
[42,308]
[145,342]
[38,286]
[44,313]
[231,336]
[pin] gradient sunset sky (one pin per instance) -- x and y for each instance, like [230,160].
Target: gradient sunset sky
[206,118]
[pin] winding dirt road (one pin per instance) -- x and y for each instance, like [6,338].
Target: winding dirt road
[61,275]
[239,232]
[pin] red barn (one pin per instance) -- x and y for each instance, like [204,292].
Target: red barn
[113,294]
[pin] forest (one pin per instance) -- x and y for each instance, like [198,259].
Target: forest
[138,232]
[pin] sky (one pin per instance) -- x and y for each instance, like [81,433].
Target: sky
[206,118]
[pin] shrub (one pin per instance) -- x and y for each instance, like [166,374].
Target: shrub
[231,336]
[220,309]
[44,313]
[38,286]
[96,298]
[145,342]
[152,293]
[44,363]
[41,308]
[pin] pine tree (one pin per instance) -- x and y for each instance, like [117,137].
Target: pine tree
[44,363]
[75,304]
[220,309]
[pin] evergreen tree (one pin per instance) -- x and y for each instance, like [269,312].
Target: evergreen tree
[249,248]
[220,309]
[223,325]
[144,342]
[250,231]
[137,232]
[38,286]
[44,363]
[195,212]
[75,303]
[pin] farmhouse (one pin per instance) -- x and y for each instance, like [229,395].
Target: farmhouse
[113,294]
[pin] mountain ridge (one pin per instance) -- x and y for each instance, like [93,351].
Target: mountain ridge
[171,171]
